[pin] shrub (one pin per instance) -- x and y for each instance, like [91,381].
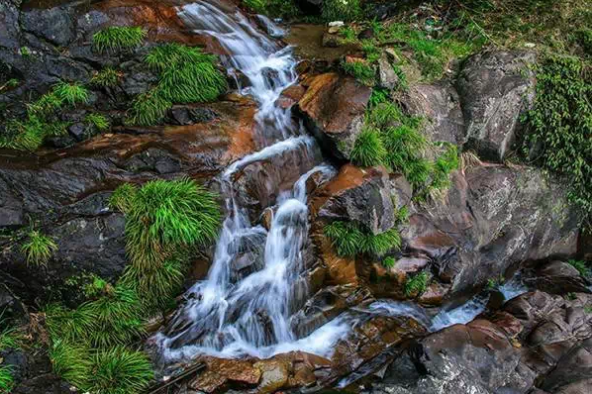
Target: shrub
[350,239]
[166,216]
[106,78]
[368,150]
[416,285]
[581,266]
[39,248]
[115,39]
[360,71]
[186,74]
[71,93]
[6,380]
[119,370]
[148,109]
[559,126]
[99,121]
[122,198]
[342,10]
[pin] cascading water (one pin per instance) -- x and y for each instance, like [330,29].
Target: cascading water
[233,313]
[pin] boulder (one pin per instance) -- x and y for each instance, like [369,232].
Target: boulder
[495,88]
[557,277]
[56,25]
[333,108]
[387,77]
[359,195]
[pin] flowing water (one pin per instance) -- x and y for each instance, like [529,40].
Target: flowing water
[234,313]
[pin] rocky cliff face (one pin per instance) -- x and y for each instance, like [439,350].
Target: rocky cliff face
[494,219]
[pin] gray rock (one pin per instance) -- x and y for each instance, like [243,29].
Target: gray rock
[495,88]
[387,77]
[78,131]
[55,24]
[557,277]
[9,26]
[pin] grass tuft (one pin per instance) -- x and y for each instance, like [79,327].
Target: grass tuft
[148,109]
[106,78]
[350,239]
[360,71]
[123,197]
[6,380]
[39,248]
[70,362]
[388,262]
[101,122]
[116,39]
[368,150]
[119,370]
[582,267]
[416,285]
[341,10]
[71,93]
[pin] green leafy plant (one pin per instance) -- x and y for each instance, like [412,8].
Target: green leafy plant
[494,283]
[368,150]
[119,370]
[388,262]
[39,248]
[404,146]
[123,197]
[360,71]
[148,109]
[101,122]
[25,52]
[106,78]
[349,239]
[70,362]
[341,10]
[115,39]
[559,126]
[6,380]
[71,93]
[416,285]
[582,267]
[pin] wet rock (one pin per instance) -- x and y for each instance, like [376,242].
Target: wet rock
[11,208]
[188,115]
[333,108]
[9,27]
[154,160]
[78,131]
[557,277]
[274,375]
[137,80]
[222,372]
[55,24]
[43,384]
[440,104]
[359,195]
[495,88]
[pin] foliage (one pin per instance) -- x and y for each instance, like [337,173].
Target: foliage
[166,216]
[8,340]
[582,268]
[106,78]
[404,146]
[584,37]
[444,165]
[115,39]
[71,93]
[119,370]
[416,285]
[388,262]
[559,134]
[122,198]
[148,109]
[276,8]
[368,150]
[99,121]
[350,239]
[360,71]
[494,283]
[39,248]
[6,379]
[348,33]
[70,362]
[341,10]
[378,96]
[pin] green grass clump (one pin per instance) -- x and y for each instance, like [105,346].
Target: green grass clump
[416,285]
[368,150]
[101,122]
[276,8]
[115,39]
[123,197]
[39,248]
[444,165]
[388,262]
[6,380]
[119,370]
[350,239]
[106,78]
[71,93]
[166,216]
[341,10]
[360,71]
[582,267]
[70,362]
[405,146]
[148,109]
[559,126]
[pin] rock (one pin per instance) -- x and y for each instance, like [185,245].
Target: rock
[330,24]
[440,104]
[187,115]
[43,384]
[333,108]
[387,77]
[366,34]
[11,209]
[495,88]
[9,27]
[221,372]
[359,195]
[137,80]
[557,277]
[274,375]
[333,30]
[78,131]
[55,24]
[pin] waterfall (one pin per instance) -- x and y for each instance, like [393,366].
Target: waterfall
[231,313]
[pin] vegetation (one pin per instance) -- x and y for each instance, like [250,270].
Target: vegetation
[494,283]
[341,10]
[360,70]
[148,109]
[122,198]
[351,239]
[99,121]
[559,125]
[416,285]
[582,267]
[106,78]
[388,262]
[6,380]
[71,93]
[119,370]
[276,8]
[39,248]
[368,149]
[116,39]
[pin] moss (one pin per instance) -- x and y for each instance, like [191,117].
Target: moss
[350,239]
[39,248]
[368,150]
[106,78]
[416,285]
[360,71]
[116,39]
